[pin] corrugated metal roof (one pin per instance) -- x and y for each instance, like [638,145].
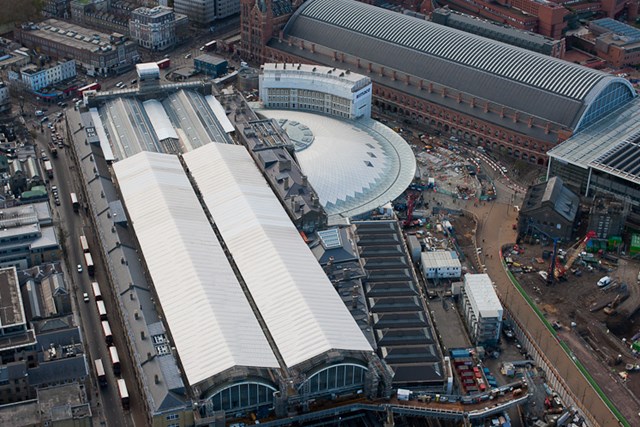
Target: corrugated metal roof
[303,312]
[209,317]
[533,83]
[440,259]
[159,120]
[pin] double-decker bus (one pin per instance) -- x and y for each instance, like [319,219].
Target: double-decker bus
[102,310]
[88,259]
[96,291]
[91,86]
[106,330]
[115,360]
[84,244]
[124,393]
[100,373]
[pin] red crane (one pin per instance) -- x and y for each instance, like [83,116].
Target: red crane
[411,204]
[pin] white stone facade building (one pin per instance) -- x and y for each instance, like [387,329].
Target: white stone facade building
[315,88]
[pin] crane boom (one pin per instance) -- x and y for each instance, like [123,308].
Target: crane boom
[583,244]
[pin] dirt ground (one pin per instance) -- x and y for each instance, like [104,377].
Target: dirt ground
[578,305]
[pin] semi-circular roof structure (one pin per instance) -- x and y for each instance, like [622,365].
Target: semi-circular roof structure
[355,166]
[540,85]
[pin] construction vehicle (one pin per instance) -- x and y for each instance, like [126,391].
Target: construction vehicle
[559,270]
[611,308]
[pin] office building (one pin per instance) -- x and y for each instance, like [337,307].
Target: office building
[481,309]
[158,28]
[202,12]
[28,237]
[616,42]
[210,65]
[318,89]
[97,53]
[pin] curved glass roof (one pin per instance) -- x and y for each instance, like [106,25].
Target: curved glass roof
[354,166]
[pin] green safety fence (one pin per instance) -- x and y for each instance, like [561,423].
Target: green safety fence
[621,419]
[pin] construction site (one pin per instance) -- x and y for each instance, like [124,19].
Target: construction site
[591,299]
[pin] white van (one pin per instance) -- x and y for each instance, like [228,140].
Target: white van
[604,281]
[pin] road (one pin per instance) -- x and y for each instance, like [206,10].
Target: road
[72,226]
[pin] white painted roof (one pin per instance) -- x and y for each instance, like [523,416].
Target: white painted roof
[482,295]
[440,259]
[159,120]
[303,312]
[220,113]
[209,317]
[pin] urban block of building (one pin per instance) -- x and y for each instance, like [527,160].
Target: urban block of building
[211,65]
[5,98]
[205,12]
[481,309]
[27,236]
[54,406]
[549,209]
[36,78]
[441,265]
[493,30]
[97,53]
[616,42]
[158,28]
[105,15]
[313,88]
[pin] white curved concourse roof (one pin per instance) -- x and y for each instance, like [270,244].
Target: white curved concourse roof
[355,166]
[302,310]
[207,313]
[159,120]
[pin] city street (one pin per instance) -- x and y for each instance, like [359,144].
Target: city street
[72,226]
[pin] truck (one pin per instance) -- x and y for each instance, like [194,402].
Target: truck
[106,330]
[53,149]
[164,63]
[48,167]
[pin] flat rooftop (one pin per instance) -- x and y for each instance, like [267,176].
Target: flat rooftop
[11,308]
[74,35]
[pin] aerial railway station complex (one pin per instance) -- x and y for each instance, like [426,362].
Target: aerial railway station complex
[482,91]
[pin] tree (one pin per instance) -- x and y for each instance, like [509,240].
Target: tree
[19,11]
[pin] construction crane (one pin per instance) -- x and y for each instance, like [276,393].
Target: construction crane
[573,254]
[411,204]
[551,271]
